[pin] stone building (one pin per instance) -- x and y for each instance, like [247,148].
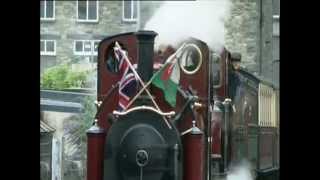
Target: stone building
[71,30]
[253,30]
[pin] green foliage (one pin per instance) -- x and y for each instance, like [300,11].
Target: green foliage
[83,122]
[86,118]
[62,77]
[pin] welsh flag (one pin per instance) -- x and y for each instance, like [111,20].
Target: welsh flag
[167,79]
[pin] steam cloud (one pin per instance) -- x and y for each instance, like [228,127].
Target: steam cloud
[175,21]
[241,172]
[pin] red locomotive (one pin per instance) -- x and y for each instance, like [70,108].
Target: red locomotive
[221,114]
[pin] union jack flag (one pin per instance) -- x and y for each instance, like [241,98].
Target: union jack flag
[128,82]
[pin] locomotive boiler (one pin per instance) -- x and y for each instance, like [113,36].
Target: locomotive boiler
[220,114]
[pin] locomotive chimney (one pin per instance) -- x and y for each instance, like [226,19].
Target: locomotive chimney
[145,54]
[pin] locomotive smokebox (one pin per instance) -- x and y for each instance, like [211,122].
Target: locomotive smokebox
[145,54]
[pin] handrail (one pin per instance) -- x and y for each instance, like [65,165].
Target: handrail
[171,113]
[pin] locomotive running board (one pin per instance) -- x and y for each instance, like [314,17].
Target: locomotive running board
[169,114]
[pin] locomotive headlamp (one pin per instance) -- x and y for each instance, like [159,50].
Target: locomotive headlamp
[190,59]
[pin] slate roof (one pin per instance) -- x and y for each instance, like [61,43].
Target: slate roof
[45,128]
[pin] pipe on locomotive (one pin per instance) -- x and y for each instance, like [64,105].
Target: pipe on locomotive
[226,104]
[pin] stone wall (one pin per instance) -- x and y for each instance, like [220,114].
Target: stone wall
[242,32]
[65,28]
[267,66]
[249,31]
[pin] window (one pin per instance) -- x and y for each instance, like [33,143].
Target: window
[48,47]
[87,11]
[276,29]
[86,47]
[267,106]
[216,73]
[130,10]
[276,38]
[47,10]
[191,59]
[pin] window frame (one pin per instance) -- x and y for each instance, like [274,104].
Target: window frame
[87,14]
[276,21]
[45,18]
[214,54]
[275,36]
[48,53]
[267,106]
[132,12]
[84,53]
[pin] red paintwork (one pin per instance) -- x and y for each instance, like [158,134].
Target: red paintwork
[216,119]
[106,78]
[201,89]
[193,157]
[195,165]
[95,154]
[198,82]
[216,132]
[194,146]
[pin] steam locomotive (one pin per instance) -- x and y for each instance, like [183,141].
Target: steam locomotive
[223,115]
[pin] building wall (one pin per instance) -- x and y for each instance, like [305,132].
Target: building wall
[65,29]
[242,31]
[276,41]
[266,63]
[249,30]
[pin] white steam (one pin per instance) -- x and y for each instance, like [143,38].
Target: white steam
[241,172]
[175,21]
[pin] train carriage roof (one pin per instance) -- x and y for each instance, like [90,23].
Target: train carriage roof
[256,78]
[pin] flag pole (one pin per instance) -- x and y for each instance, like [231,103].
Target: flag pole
[154,75]
[142,83]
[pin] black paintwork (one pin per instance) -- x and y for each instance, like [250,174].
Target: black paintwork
[145,55]
[141,130]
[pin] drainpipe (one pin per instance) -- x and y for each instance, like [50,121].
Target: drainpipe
[260,37]
[139,17]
